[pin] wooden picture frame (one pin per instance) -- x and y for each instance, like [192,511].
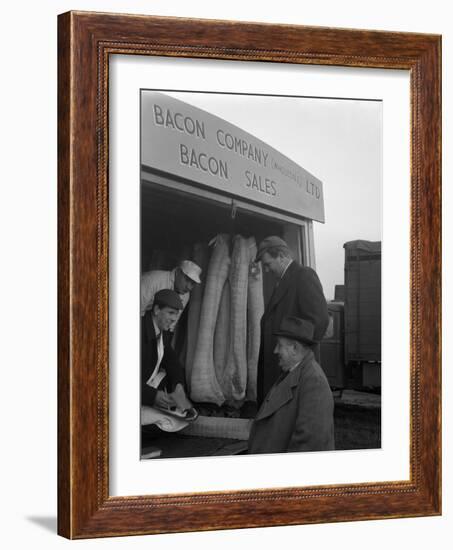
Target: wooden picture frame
[85,41]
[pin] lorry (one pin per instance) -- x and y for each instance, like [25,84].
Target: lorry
[351,348]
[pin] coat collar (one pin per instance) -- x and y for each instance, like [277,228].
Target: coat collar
[150,330]
[282,287]
[282,391]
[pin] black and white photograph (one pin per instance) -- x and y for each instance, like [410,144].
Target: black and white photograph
[260,273]
[225,237]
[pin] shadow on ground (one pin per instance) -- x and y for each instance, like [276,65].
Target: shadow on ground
[49,523]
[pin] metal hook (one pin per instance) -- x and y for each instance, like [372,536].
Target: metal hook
[233,209]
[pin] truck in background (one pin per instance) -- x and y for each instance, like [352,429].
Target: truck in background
[351,348]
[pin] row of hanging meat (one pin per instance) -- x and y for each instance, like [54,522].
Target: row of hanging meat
[223,323]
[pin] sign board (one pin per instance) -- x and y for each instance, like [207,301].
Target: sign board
[190,143]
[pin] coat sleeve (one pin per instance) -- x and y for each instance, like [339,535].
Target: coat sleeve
[311,301]
[170,362]
[148,359]
[175,376]
[313,430]
[148,394]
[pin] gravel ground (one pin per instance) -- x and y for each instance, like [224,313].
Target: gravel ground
[357,421]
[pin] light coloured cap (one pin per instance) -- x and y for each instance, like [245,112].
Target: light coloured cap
[191,270]
[269,242]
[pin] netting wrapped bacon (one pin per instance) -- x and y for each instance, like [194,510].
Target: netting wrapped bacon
[222,332]
[204,384]
[234,380]
[255,310]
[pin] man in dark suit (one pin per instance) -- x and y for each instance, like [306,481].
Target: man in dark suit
[162,376]
[298,293]
[297,413]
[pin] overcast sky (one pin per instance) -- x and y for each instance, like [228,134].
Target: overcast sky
[339,142]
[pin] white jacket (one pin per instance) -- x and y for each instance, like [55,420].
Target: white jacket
[152,282]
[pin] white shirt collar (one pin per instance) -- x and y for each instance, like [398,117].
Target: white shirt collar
[156,328]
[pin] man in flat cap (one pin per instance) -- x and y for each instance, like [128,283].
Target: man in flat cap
[297,413]
[181,279]
[298,292]
[162,376]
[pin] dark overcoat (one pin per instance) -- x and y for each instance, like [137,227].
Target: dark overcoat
[169,363]
[297,414]
[299,293]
